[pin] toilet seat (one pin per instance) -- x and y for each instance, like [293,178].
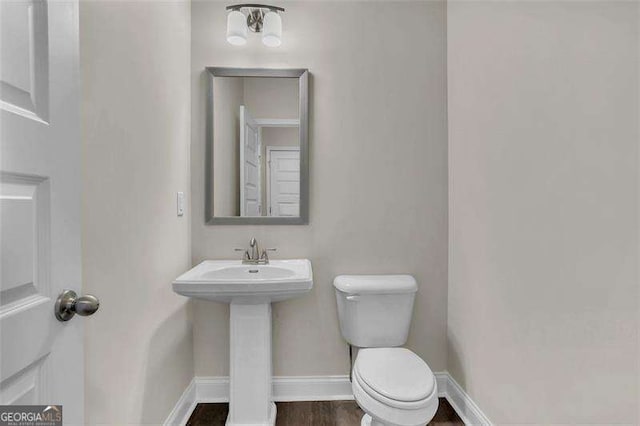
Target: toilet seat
[395,386]
[395,374]
[395,403]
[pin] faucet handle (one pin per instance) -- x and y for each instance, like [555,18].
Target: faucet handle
[264,254]
[246,253]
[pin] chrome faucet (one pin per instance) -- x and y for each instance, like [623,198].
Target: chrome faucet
[255,257]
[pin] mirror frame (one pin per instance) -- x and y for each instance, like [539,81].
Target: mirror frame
[302,74]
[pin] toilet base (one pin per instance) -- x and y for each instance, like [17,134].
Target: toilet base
[367,420]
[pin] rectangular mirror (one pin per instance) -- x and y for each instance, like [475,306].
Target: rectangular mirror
[257,150]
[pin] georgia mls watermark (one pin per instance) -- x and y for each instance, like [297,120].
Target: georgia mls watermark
[30,415]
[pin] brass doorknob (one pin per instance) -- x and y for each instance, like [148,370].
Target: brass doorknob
[69,304]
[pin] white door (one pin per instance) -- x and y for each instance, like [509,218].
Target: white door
[283,191]
[41,358]
[250,148]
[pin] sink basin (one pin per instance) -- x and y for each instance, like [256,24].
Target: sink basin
[231,281]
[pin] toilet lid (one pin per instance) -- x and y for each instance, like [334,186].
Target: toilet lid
[396,373]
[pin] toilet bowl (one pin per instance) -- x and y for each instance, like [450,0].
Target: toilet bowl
[392,385]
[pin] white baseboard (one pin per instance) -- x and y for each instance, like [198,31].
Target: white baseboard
[285,388]
[468,411]
[313,388]
[212,389]
[184,407]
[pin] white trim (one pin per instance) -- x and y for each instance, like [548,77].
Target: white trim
[184,407]
[212,389]
[311,388]
[441,380]
[277,122]
[282,148]
[243,143]
[314,388]
[468,411]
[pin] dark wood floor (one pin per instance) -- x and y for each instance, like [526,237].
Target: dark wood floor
[317,413]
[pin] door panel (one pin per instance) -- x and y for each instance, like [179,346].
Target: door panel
[25,388]
[24,39]
[284,181]
[41,359]
[25,288]
[24,220]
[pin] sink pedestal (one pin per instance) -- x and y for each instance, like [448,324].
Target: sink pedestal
[250,399]
[250,290]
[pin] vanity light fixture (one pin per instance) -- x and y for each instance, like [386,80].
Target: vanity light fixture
[259,18]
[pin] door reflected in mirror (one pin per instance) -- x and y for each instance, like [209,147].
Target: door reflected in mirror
[256,147]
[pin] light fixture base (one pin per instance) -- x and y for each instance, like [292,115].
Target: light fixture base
[255,19]
[255,14]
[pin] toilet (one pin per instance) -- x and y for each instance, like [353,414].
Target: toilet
[392,385]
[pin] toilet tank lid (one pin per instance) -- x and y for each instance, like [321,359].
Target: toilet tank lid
[375,284]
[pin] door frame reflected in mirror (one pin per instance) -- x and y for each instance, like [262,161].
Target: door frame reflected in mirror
[303,98]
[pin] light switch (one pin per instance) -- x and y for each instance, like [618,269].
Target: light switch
[180,203]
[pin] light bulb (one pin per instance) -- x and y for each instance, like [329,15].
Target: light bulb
[236,28]
[272,30]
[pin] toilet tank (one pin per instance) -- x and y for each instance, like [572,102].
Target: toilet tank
[375,310]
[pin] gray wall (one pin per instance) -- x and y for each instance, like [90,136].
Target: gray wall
[229,95]
[543,213]
[135,116]
[272,97]
[378,171]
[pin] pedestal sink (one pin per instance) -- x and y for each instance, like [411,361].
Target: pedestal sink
[249,289]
